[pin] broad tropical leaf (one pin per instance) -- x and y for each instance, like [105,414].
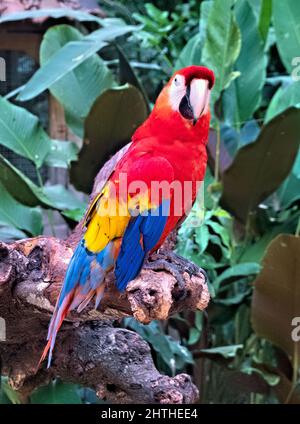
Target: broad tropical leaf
[222,44]
[284,98]
[69,57]
[79,88]
[111,122]
[286,18]
[276,298]
[245,91]
[21,132]
[14,214]
[260,167]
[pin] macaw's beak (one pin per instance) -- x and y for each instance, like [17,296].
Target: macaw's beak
[195,103]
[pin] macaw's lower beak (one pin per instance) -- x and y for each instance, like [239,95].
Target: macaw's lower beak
[195,102]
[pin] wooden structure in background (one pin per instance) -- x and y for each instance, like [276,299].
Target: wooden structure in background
[26,36]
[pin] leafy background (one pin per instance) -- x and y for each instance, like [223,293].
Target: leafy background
[106,74]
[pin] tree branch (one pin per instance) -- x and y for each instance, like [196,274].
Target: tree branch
[90,351]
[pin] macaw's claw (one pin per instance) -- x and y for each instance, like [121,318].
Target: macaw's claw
[167,260]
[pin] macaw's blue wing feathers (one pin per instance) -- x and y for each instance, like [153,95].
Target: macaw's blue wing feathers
[83,282]
[141,235]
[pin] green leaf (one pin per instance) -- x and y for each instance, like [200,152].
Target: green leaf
[289,191]
[4,399]
[61,198]
[270,378]
[191,53]
[256,7]
[255,251]
[19,186]
[260,167]
[205,9]
[109,126]
[221,231]
[16,215]
[238,270]
[69,57]
[56,393]
[10,234]
[286,18]
[222,44]
[227,352]
[246,90]
[234,300]
[194,336]
[127,75]
[10,393]
[195,332]
[79,88]
[74,214]
[276,297]
[202,237]
[26,192]
[284,98]
[56,13]
[265,18]
[171,351]
[21,132]
[61,154]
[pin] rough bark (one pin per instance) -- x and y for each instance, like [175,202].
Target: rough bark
[90,349]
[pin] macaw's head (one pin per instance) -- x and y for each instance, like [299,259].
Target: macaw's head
[187,94]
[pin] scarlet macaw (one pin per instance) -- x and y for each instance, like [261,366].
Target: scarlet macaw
[123,226]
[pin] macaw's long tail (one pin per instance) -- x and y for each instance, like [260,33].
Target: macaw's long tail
[83,282]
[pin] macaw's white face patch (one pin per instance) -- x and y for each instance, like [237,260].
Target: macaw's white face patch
[177,91]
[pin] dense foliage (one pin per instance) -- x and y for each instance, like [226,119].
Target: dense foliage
[106,74]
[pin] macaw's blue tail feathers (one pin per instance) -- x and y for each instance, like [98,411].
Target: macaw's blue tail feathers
[83,282]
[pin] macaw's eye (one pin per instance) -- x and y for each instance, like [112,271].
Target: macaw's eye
[176,81]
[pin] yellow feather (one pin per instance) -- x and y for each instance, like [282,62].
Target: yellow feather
[105,224]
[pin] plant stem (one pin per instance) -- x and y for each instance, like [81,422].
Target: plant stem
[297,233]
[295,373]
[217,160]
[39,177]
[49,213]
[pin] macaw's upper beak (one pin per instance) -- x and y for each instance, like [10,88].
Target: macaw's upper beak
[195,103]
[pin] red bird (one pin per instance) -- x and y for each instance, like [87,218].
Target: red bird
[144,198]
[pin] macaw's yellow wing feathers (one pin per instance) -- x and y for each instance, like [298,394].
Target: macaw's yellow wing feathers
[106,220]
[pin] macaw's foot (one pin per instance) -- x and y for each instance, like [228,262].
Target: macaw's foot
[167,260]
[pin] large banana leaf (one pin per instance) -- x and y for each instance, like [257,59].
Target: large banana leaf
[222,44]
[16,215]
[244,94]
[260,167]
[52,13]
[69,57]
[21,132]
[286,18]
[284,98]
[29,194]
[276,298]
[79,88]
[109,126]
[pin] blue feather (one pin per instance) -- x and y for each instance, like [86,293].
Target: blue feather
[149,228]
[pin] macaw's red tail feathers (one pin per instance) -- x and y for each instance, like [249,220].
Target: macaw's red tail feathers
[55,324]
[83,281]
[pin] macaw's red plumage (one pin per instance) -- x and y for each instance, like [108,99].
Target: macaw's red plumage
[149,192]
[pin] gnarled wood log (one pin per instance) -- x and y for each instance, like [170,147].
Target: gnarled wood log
[90,350]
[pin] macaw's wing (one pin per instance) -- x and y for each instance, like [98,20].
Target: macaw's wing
[141,236]
[139,229]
